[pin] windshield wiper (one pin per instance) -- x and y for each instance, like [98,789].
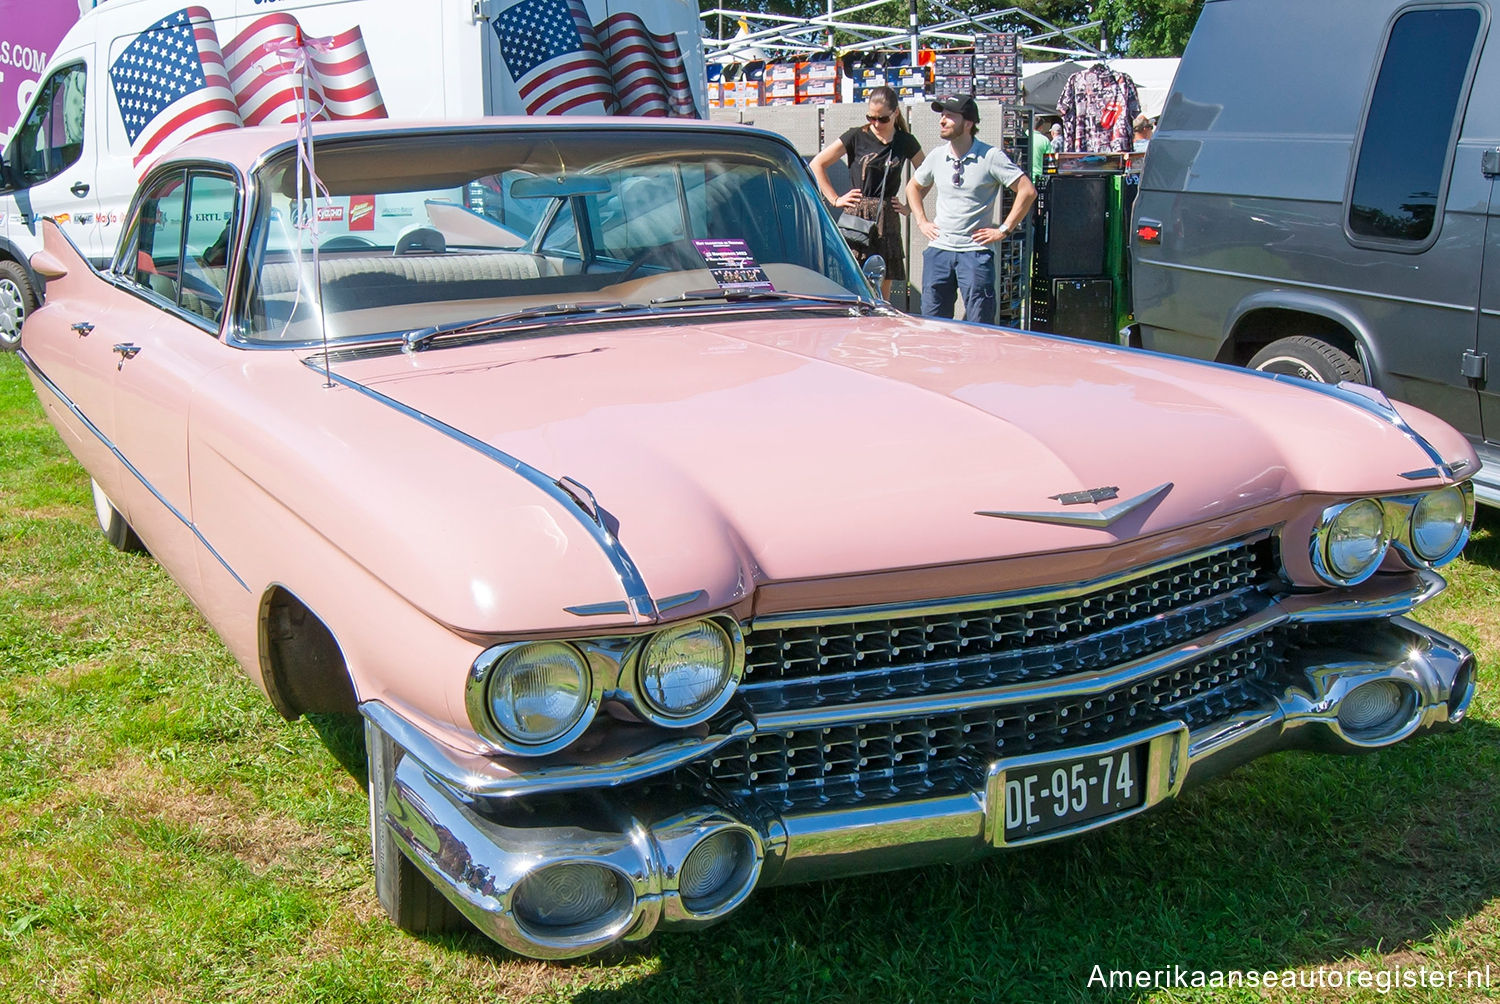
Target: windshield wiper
[419,338]
[758,295]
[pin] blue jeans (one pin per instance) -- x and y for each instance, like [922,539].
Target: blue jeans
[947,273]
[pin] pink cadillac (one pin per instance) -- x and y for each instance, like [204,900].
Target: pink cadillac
[664,562]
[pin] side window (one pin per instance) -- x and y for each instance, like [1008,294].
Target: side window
[209,235]
[1405,148]
[51,138]
[154,263]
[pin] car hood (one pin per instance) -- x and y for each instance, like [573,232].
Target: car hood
[789,446]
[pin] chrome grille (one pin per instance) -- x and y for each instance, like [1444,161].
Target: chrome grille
[1015,642]
[946,752]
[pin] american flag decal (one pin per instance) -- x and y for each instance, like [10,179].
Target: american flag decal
[562,62]
[173,82]
[650,76]
[553,55]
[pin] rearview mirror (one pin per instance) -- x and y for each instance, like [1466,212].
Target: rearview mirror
[559,186]
[874,268]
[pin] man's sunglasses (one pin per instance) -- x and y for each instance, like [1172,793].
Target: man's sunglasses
[958,174]
[882,119]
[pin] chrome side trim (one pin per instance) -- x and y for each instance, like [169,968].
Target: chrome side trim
[961,604]
[31,365]
[621,607]
[599,609]
[642,606]
[1099,520]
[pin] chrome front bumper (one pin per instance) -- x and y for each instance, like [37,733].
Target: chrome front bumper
[477,848]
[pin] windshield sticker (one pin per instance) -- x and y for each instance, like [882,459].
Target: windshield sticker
[732,264]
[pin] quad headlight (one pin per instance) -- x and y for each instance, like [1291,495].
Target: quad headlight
[538,696]
[1350,542]
[688,671]
[1440,524]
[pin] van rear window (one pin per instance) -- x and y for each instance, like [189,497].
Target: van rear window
[1406,145]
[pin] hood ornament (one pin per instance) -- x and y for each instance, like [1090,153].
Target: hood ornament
[1098,520]
[1091,497]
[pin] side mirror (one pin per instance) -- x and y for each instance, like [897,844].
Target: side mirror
[874,268]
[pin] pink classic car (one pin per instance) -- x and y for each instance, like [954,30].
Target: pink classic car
[664,561]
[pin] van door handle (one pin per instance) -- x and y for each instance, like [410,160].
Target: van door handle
[83,328]
[127,351]
[1490,163]
[79,189]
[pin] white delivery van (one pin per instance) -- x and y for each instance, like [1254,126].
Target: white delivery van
[134,77]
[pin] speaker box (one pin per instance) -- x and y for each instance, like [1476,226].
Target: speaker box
[1084,308]
[1076,227]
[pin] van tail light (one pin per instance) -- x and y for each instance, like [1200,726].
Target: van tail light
[1148,233]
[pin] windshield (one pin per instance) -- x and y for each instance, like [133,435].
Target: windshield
[434,230]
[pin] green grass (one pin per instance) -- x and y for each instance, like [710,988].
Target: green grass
[165,836]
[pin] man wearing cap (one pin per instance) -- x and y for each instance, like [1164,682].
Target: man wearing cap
[968,175]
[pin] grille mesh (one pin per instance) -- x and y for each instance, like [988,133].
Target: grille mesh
[838,663]
[941,753]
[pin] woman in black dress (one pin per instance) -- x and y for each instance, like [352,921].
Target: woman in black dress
[876,154]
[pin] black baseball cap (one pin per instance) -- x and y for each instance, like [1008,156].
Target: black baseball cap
[962,105]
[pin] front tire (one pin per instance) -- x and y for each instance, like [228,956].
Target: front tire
[17,301]
[116,530]
[413,903]
[1308,358]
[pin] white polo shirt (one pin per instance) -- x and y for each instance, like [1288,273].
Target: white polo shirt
[965,206]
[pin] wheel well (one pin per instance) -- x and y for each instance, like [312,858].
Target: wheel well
[1260,328]
[302,667]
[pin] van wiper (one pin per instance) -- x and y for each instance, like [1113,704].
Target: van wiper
[758,295]
[419,338]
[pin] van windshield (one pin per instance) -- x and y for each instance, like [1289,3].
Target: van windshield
[428,229]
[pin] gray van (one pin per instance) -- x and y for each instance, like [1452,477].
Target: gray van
[1319,199]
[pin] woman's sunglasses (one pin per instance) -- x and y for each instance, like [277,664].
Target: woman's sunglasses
[882,119]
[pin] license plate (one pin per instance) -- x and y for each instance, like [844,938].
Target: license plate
[1061,794]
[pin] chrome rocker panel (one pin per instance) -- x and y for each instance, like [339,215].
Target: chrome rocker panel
[457,840]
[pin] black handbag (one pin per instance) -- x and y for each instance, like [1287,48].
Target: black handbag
[859,232]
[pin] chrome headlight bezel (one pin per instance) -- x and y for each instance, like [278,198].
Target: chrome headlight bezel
[1405,539]
[1323,563]
[641,700]
[497,660]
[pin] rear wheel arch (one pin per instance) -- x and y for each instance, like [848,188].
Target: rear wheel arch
[1259,327]
[302,665]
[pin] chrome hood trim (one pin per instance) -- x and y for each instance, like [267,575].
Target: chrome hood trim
[1099,519]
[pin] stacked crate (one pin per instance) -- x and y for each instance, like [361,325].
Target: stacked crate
[953,74]
[997,67]
[817,82]
[780,84]
[868,77]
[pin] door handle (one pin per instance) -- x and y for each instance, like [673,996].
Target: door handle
[83,328]
[79,189]
[1489,163]
[127,351]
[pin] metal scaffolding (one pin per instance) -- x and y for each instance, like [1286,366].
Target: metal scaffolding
[760,35]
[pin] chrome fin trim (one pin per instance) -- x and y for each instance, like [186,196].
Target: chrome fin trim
[642,606]
[1097,520]
[31,365]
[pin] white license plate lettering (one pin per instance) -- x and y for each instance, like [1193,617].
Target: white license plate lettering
[1065,793]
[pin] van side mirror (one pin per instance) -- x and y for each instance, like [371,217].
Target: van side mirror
[6,181]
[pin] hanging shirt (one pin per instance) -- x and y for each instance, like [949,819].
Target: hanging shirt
[1098,107]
